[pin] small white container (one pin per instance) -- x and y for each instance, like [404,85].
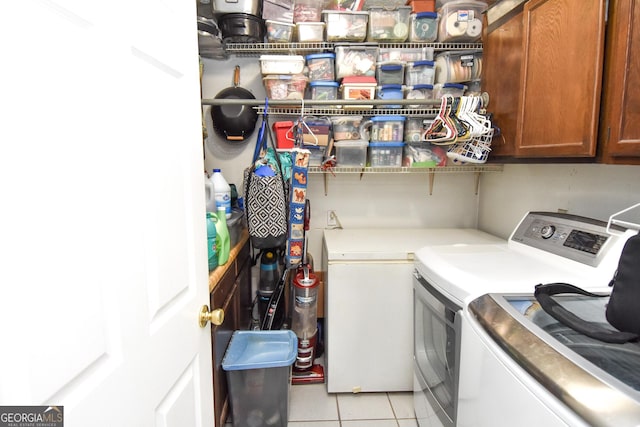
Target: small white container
[281,64]
[358,88]
[309,32]
[351,153]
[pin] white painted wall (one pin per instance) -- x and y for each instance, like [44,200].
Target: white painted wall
[591,190]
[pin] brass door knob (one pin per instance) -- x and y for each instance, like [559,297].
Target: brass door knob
[214,316]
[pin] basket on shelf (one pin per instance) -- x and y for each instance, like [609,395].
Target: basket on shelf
[475,150]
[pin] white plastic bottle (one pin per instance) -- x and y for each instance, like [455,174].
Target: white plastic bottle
[222,192]
[210,195]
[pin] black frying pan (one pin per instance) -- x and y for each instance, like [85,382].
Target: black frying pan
[234,122]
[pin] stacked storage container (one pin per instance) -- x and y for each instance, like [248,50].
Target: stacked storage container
[455,71]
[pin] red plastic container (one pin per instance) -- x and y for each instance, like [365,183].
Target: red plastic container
[422,5]
[284,136]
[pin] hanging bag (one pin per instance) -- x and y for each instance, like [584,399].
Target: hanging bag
[265,195]
[622,309]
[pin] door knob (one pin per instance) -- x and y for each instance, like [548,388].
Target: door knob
[214,316]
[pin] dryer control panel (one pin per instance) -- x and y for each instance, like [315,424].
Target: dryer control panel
[571,236]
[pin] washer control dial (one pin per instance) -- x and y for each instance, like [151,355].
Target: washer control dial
[547,231]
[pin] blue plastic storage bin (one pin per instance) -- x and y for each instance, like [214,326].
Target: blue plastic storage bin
[258,366]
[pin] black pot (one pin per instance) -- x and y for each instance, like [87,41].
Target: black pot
[242,28]
[234,122]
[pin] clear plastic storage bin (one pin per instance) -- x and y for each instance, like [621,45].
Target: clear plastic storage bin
[390,73]
[351,153]
[321,66]
[278,10]
[451,89]
[323,90]
[281,64]
[389,26]
[423,27]
[461,21]
[356,60]
[413,128]
[252,7]
[285,86]
[406,55]
[307,11]
[279,32]
[387,128]
[419,92]
[345,26]
[385,154]
[258,368]
[455,67]
[420,73]
[309,32]
[346,127]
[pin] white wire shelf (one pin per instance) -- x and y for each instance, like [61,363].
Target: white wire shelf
[253,49]
[395,170]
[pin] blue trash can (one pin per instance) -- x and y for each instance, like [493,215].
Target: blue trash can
[258,366]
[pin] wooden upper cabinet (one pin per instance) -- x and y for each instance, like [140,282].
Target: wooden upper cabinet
[543,75]
[619,140]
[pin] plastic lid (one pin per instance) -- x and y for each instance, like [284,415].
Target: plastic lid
[386,144]
[454,85]
[433,15]
[216,170]
[391,87]
[260,349]
[320,55]
[387,118]
[422,86]
[323,83]
[390,67]
[423,63]
[351,143]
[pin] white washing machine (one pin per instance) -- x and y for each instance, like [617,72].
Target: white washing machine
[544,247]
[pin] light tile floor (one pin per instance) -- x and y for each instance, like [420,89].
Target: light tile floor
[311,406]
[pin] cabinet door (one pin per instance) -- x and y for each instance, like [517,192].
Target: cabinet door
[620,125]
[502,59]
[223,296]
[561,78]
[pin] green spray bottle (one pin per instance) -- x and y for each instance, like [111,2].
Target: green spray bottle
[212,244]
[222,236]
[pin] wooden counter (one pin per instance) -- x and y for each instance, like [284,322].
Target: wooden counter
[219,272]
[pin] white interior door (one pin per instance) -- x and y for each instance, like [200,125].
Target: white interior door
[103,265]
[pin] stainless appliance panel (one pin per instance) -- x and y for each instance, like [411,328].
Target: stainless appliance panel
[437,344]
